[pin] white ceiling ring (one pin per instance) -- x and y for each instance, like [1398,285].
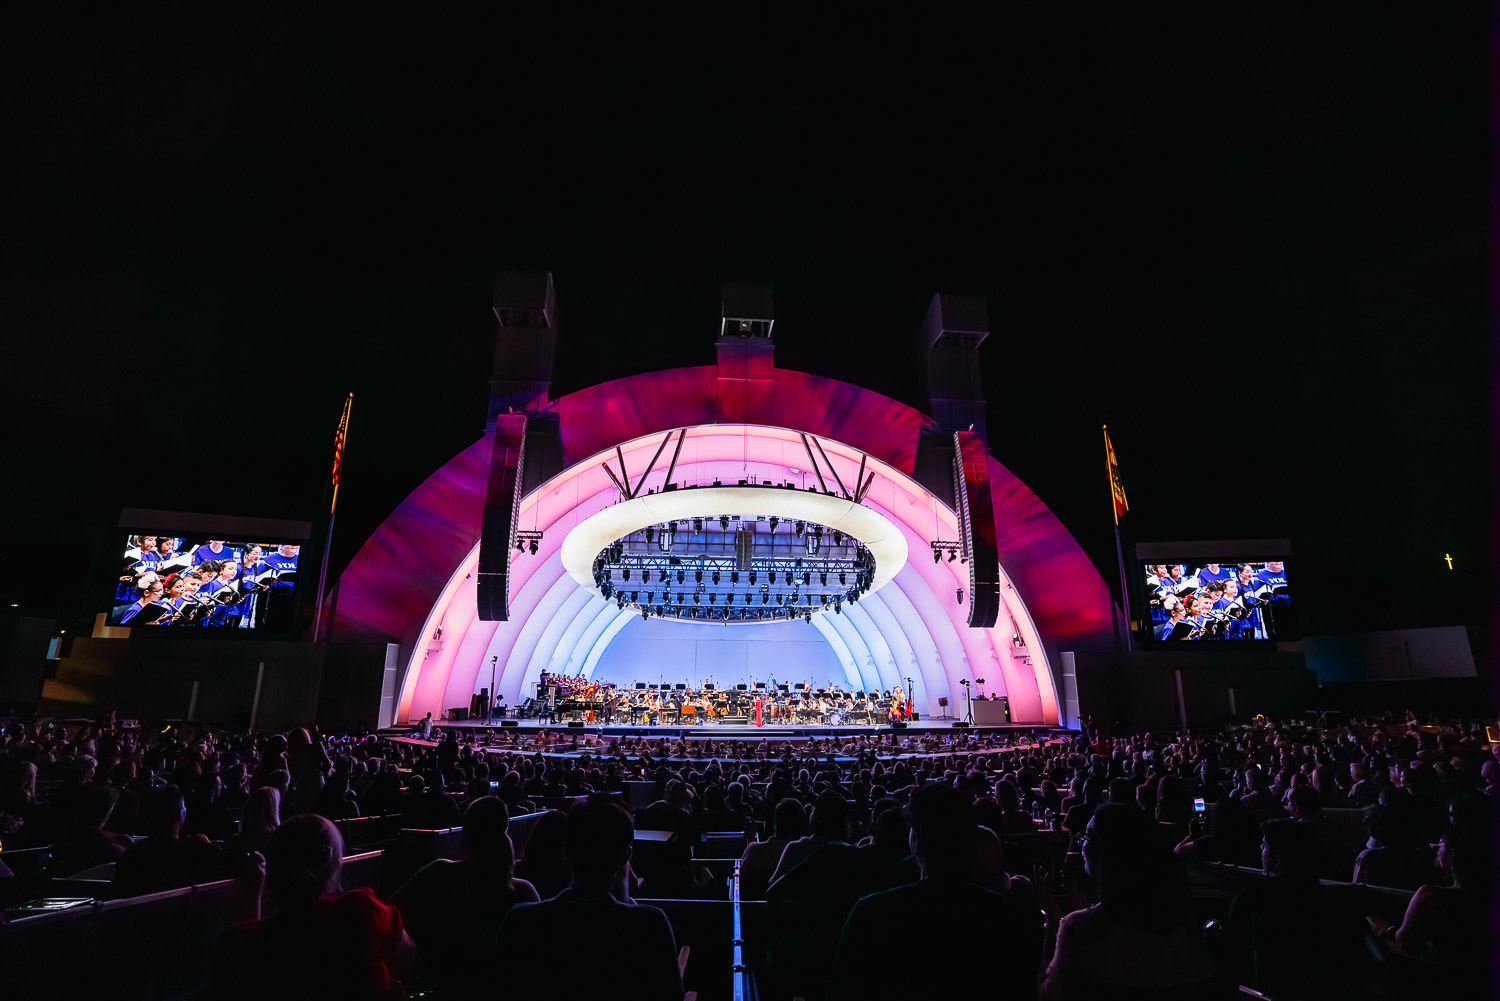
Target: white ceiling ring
[883,539]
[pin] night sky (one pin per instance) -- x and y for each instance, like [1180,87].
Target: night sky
[1255,248]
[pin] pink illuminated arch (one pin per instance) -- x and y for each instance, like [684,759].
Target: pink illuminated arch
[414,574]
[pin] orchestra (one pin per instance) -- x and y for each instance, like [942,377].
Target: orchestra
[562,698]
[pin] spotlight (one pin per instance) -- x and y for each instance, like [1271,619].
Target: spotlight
[650,597]
[807,616]
[698,576]
[698,598]
[531,546]
[780,598]
[753,575]
[698,526]
[712,598]
[520,545]
[771,576]
[716,578]
[800,526]
[765,599]
[841,578]
[682,576]
[724,522]
[806,579]
[959,594]
[679,599]
[734,577]
[952,555]
[625,574]
[937,556]
[838,538]
[650,533]
[663,577]
[774,522]
[822,579]
[635,596]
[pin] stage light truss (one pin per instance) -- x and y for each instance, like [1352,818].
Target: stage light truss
[733,574]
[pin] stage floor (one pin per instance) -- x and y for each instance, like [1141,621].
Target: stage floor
[738,731]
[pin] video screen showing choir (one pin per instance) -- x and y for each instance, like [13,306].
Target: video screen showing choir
[210,583]
[1217,601]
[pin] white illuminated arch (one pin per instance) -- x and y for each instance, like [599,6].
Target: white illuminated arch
[913,627]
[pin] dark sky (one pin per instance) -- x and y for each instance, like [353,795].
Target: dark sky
[1256,248]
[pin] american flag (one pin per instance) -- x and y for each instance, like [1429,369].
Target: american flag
[1116,488]
[338,439]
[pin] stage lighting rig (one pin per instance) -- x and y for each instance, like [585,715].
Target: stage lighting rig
[531,540]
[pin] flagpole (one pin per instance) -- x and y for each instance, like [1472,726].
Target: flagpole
[1116,497]
[333,510]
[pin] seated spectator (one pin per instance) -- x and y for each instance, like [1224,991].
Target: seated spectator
[830,824]
[887,859]
[24,823]
[1232,836]
[258,821]
[1306,808]
[631,950]
[85,842]
[318,943]
[336,801]
[425,807]
[205,814]
[943,839]
[1279,933]
[1013,819]
[544,865]
[1392,856]
[761,858]
[1449,926]
[1091,798]
[1140,939]
[166,860]
[453,909]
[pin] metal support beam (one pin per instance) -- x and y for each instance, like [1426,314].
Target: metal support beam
[813,461]
[614,479]
[835,472]
[675,453]
[649,466]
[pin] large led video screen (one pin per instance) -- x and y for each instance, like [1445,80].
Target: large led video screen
[168,582]
[1215,602]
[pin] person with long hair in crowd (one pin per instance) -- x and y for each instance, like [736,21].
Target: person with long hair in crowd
[318,943]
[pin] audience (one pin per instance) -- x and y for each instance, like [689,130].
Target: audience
[943,840]
[453,909]
[630,951]
[167,859]
[318,943]
[1285,796]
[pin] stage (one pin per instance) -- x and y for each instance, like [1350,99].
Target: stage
[1029,732]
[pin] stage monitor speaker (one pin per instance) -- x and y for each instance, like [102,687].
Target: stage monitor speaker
[510,722]
[898,725]
[575,724]
[960,725]
[916,717]
[458,713]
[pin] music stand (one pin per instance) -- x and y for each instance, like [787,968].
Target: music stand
[799,686]
[784,688]
[760,686]
[680,686]
[640,686]
[708,686]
